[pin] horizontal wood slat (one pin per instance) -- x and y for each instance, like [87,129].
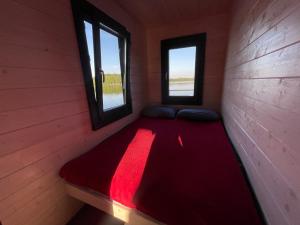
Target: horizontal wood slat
[261,104]
[44,113]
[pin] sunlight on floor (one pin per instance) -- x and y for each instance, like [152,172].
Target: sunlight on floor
[130,170]
[121,212]
[180,141]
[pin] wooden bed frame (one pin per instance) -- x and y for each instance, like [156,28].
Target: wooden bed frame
[117,210]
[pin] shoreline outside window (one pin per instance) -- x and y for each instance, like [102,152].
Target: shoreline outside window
[104,53]
[182,68]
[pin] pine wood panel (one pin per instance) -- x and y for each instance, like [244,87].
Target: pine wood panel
[28,38]
[22,15]
[56,10]
[10,78]
[280,176]
[32,97]
[271,209]
[257,17]
[44,113]
[19,56]
[261,104]
[33,116]
[285,65]
[157,12]
[283,34]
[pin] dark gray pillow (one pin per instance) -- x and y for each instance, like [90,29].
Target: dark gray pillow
[198,114]
[160,112]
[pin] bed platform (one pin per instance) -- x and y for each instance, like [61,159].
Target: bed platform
[102,202]
[159,171]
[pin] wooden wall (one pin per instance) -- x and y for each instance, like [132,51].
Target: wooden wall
[216,27]
[261,102]
[44,118]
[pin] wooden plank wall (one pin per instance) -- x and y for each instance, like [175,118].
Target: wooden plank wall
[261,102]
[217,28]
[44,118]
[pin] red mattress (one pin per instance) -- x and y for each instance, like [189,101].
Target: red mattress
[177,171]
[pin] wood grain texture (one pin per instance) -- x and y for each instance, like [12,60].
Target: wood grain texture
[261,104]
[43,108]
[216,28]
[157,12]
[128,215]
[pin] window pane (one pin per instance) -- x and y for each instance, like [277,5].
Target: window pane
[182,71]
[113,95]
[90,45]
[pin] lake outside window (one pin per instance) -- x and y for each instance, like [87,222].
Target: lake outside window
[183,69]
[112,85]
[104,52]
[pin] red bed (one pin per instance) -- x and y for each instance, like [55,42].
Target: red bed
[176,171]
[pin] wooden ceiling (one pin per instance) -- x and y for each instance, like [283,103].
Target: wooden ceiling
[157,12]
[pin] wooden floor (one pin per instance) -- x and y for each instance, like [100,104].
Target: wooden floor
[89,215]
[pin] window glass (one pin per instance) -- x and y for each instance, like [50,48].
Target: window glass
[104,49]
[182,71]
[112,88]
[90,45]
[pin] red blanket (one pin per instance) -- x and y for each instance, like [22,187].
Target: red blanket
[177,171]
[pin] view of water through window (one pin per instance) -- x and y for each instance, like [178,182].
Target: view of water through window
[182,71]
[110,59]
[113,95]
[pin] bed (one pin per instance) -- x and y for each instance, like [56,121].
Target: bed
[160,171]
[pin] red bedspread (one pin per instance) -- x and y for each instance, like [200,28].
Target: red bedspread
[179,172]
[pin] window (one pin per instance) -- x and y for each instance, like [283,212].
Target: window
[182,62]
[104,53]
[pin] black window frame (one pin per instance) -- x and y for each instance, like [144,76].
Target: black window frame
[84,11]
[195,40]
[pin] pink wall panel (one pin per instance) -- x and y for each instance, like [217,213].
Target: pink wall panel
[44,118]
[216,28]
[261,106]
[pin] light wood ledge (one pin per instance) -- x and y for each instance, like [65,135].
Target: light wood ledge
[117,210]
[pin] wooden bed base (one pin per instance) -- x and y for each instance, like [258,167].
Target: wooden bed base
[117,210]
